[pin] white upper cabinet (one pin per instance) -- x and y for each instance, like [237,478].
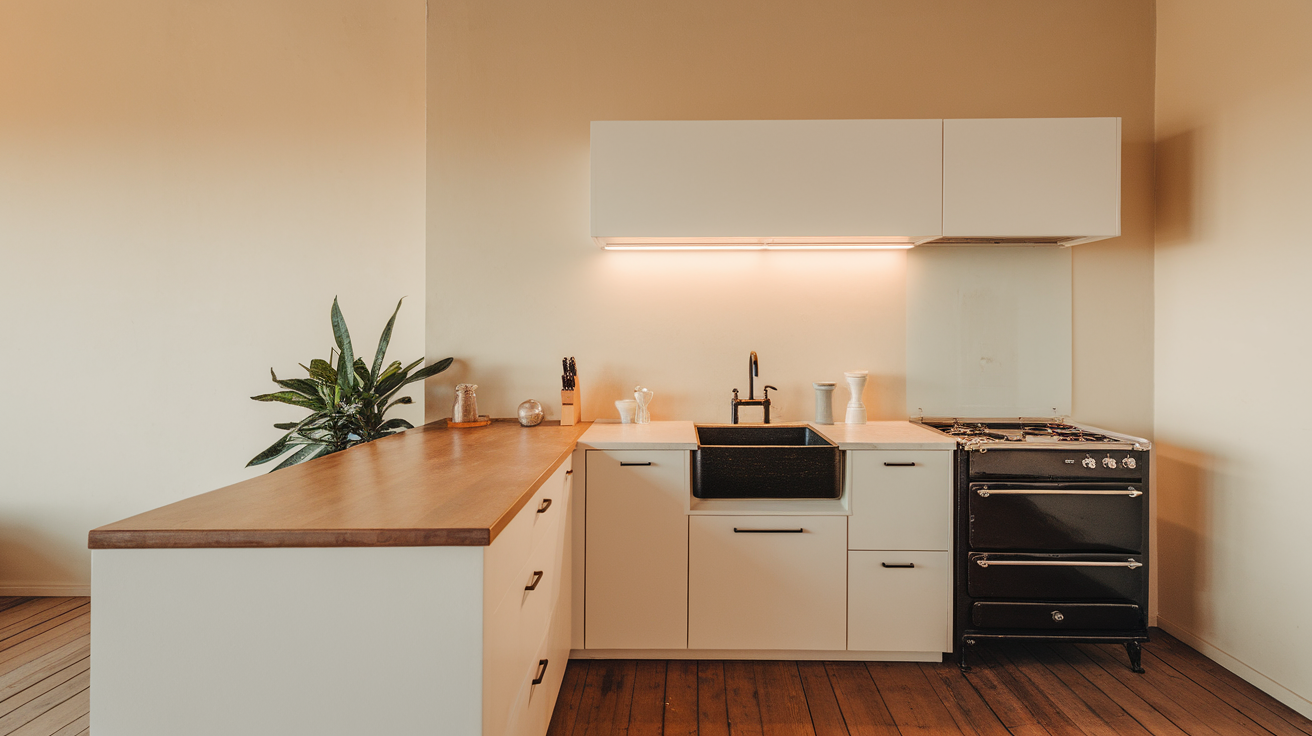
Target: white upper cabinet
[1032,179]
[813,181]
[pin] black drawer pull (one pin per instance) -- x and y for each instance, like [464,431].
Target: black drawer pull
[899,465]
[736,530]
[546,504]
[537,578]
[897,565]
[625,465]
[542,672]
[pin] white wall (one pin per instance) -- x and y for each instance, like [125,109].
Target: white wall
[184,187]
[515,283]
[1233,347]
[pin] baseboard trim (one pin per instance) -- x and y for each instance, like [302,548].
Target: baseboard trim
[60,591]
[1257,679]
[838,655]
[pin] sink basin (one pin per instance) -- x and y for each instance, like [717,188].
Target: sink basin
[763,461]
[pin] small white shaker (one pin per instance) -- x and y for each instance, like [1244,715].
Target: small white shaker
[824,402]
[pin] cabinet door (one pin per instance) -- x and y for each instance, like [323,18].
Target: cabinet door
[636,567]
[901,499]
[896,608]
[755,582]
[1032,177]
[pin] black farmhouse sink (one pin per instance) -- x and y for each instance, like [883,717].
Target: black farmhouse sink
[761,461]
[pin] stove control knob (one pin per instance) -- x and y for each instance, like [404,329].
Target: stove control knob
[1056,616]
[1109,462]
[1090,462]
[1129,463]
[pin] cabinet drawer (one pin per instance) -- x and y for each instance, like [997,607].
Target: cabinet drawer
[530,715]
[636,556]
[757,582]
[1057,616]
[901,499]
[894,608]
[548,504]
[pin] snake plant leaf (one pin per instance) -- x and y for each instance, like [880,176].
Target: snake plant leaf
[272,451]
[383,340]
[362,374]
[322,370]
[397,423]
[392,369]
[401,400]
[342,336]
[291,397]
[286,425]
[308,452]
[301,386]
[430,371]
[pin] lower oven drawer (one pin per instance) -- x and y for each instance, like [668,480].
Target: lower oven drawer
[1056,615]
[1055,577]
[1074,517]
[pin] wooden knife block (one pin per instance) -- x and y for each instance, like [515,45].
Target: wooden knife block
[571,408]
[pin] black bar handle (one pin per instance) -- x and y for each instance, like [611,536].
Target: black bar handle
[897,565]
[899,465]
[736,530]
[546,504]
[537,578]
[625,465]
[542,672]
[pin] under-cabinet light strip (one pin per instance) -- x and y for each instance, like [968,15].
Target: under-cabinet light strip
[827,246]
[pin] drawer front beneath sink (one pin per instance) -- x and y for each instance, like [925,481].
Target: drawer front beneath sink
[767,472]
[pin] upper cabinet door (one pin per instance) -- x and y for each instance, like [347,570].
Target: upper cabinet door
[1017,177]
[766,178]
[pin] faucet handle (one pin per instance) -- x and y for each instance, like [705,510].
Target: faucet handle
[768,389]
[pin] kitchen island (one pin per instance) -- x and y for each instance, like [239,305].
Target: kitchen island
[412,585]
[433,581]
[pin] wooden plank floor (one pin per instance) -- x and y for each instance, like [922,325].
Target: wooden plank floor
[1022,689]
[45,666]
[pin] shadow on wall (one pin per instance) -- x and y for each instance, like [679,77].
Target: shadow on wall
[29,559]
[1176,222]
[1184,486]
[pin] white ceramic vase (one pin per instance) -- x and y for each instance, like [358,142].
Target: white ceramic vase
[856,383]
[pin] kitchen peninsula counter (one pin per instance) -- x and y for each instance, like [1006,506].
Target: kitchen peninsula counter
[429,486]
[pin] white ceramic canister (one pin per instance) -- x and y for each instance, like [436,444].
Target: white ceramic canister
[824,402]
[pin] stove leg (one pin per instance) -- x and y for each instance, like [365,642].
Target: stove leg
[1135,650]
[965,647]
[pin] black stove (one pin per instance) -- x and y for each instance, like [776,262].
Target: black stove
[1051,533]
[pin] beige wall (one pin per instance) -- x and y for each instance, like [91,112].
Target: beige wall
[184,187]
[1233,346]
[514,283]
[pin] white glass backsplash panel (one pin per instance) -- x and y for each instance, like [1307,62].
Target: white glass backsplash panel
[988,331]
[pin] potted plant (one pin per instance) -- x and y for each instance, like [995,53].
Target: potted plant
[348,402]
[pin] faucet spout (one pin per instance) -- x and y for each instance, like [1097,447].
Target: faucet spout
[753,370]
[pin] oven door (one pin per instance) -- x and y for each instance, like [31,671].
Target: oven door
[1068,577]
[1071,517]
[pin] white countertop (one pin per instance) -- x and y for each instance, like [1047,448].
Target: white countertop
[653,436]
[895,435]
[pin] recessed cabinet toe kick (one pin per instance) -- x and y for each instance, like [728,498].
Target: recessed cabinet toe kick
[863,573]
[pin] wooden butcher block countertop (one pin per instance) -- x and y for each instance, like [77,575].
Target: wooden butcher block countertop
[429,486]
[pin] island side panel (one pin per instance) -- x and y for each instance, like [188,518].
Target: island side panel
[326,641]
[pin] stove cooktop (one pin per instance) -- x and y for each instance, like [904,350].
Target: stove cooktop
[1030,433]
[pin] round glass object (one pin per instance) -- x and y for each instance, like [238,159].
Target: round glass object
[530,413]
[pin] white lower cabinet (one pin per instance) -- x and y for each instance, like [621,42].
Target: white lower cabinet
[899,601]
[767,582]
[637,550]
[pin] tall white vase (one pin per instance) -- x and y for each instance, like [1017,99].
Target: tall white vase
[856,383]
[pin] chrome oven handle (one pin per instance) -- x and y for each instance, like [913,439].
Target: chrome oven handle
[1131,492]
[985,562]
